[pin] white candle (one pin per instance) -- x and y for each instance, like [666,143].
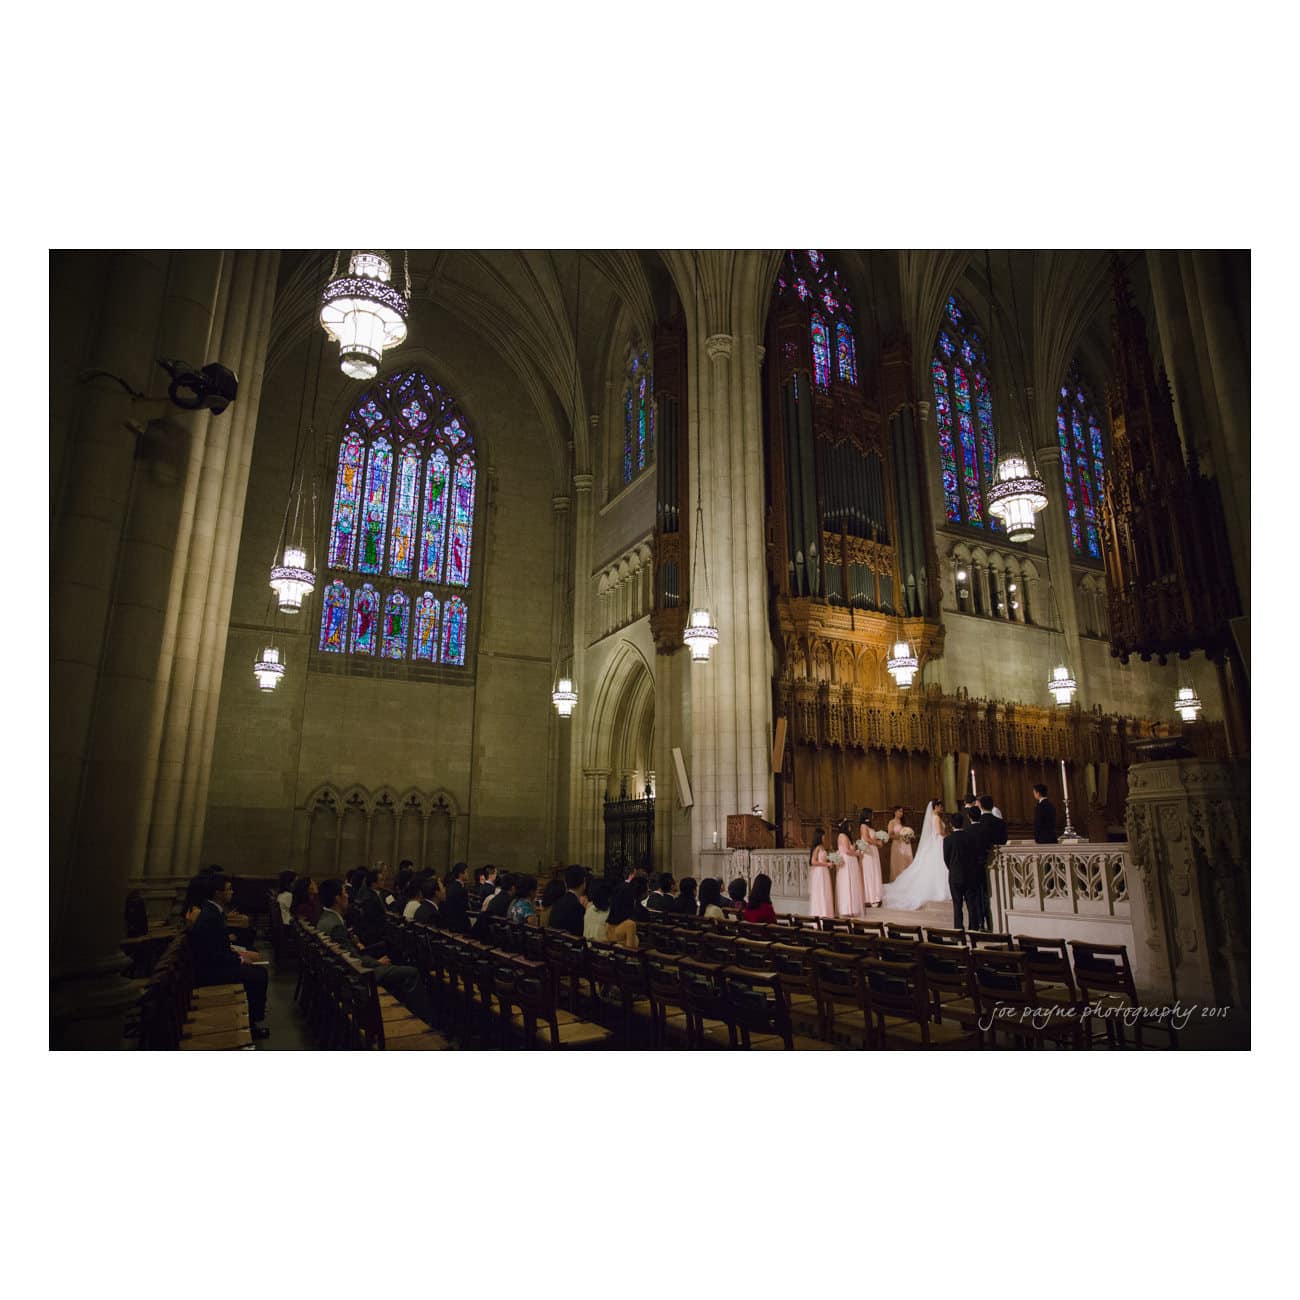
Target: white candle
[973,790]
[715,839]
[1065,789]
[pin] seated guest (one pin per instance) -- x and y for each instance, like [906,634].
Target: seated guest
[686,901]
[569,910]
[640,890]
[402,888]
[306,900]
[661,899]
[455,910]
[284,895]
[384,887]
[499,903]
[736,893]
[711,898]
[551,895]
[401,981]
[523,908]
[368,913]
[620,926]
[595,919]
[216,961]
[414,900]
[493,881]
[476,890]
[759,909]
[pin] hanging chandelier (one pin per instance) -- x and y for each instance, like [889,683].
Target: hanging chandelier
[363,313]
[902,664]
[1062,686]
[565,698]
[292,581]
[1188,703]
[1017,497]
[701,634]
[268,670]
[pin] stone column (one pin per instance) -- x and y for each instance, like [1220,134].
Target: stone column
[560,730]
[1060,565]
[591,845]
[1188,823]
[579,833]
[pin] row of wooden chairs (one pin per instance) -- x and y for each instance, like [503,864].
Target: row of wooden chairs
[173,1014]
[344,1006]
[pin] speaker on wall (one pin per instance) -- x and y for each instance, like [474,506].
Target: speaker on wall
[683,781]
[778,745]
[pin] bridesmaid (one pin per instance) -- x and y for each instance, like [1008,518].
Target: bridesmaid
[821,892]
[848,880]
[900,851]
[873,885]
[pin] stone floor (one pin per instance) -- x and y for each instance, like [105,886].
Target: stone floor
[289,1032]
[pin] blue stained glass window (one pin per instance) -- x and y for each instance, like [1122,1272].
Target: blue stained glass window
[404,501]
[846,353]
[454,628]
[963,399]
[1083,464]
[821,352]
[638,415]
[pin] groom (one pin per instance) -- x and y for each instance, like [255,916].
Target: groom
[963,855]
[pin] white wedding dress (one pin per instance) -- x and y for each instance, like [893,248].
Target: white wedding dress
[926,880]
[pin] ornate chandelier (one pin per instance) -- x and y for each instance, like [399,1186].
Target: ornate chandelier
[1062,686]
[292,581]
[1188,703]
[902,665]
[700,635]
[1017,497]
[268,670]
[363,313]
[564,697]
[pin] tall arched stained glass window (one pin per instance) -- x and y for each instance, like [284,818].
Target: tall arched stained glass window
[846,354]
[807,274]
[963,408]
[403,517]
[638,415]
[821,350]
[1083,463]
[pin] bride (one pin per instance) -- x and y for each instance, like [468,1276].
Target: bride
[926,880]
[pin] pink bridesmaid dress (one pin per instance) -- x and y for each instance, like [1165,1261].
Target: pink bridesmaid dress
[900,851]
[848,879]
[873,884]
[821,892]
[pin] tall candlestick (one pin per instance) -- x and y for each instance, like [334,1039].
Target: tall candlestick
[1069,835]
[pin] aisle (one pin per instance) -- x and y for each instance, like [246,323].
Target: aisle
[289,1032]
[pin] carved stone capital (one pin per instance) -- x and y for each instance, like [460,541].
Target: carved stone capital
[718,345]
[583,482]
[559,504]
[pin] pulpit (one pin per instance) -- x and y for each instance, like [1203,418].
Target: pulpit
[747,831]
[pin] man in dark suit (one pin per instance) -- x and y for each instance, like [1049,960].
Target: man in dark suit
[455,910]
[992,832]
[1044,817]
[369,915]
[962,856]
[215,960]
[401,981]
[570,909]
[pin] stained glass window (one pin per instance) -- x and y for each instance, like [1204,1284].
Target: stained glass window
[453,631]
[1082,464]
[847,353]
[396,611]
[821,352]
[425,645]
[365,620]
[462,520]
[638,415]
[404,513]
[963,406]
[334,618]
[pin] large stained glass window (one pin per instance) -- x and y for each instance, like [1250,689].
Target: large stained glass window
[1083,463]
[963,408]
[403,518]
[638,415]
[808,278]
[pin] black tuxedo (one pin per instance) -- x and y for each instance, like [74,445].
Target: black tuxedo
[216,962]
[568,914]
[455,907]
[989,831]
[963,854]
[1045,822]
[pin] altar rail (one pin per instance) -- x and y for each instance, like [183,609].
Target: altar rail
[788,869]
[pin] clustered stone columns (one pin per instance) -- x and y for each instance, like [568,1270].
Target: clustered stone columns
[147,527]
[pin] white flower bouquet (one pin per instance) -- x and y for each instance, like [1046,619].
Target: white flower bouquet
[860,845]
[882,837]
[907,833]
[835,859]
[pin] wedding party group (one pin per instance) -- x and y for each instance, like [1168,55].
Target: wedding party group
[950,863]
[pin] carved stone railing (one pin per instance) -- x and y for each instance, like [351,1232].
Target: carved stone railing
[1061,880]
[788,868]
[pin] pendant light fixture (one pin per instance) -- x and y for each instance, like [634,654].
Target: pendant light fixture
[902,664]
[564,697]
[1061,684]
[293,579]
[700,635]
[363,313]
[1187,703]
[269,670]
[1018,495]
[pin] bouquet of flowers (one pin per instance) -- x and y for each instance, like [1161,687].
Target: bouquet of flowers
[835,859]
[907,833]
[882,837]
